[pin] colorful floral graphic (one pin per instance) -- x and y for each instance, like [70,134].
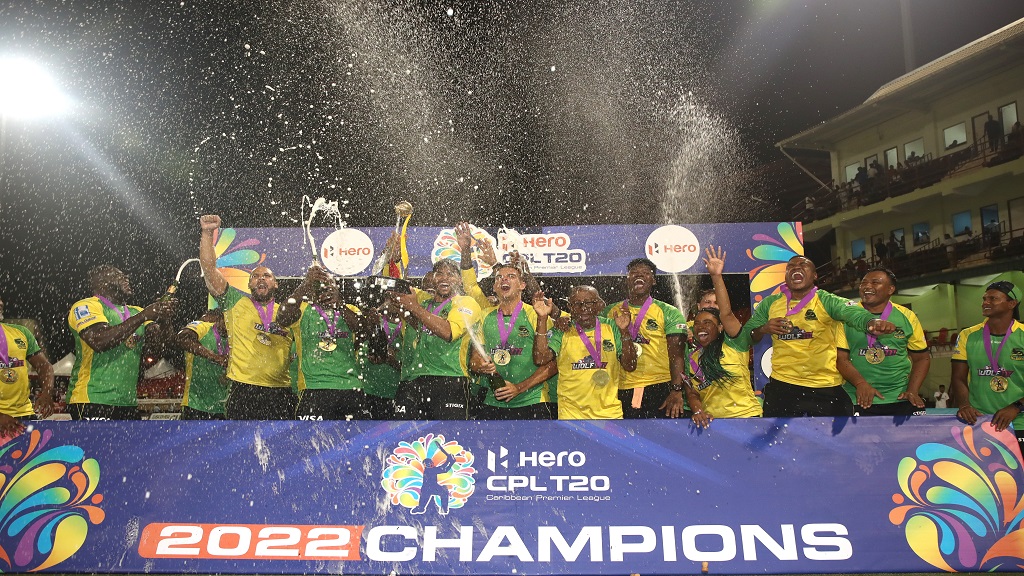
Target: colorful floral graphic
[446,246]
[240,254]
[48,500]
[403,472]
[765,279]
[961,505]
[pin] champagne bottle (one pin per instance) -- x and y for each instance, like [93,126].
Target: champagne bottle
[171,292]
[496,382]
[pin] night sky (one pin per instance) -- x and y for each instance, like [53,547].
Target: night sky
[505,113]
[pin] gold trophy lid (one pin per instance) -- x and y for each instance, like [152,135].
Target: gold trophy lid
[403,208]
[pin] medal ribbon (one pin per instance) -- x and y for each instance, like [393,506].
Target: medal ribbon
[222,347]
[803,301]
[885,316]
[332,324]
[593,348]
[122,314]
[392,333]
[436,311]
[988,348]
[634,328]
[506,331]
[3,347]
[697,372]
[266,312]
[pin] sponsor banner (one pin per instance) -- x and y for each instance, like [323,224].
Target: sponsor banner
[553,250]
[920,494]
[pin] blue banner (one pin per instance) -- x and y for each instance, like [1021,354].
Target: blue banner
[613,497]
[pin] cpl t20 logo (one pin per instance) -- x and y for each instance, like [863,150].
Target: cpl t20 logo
[961,504]
[48,500]
[429,469]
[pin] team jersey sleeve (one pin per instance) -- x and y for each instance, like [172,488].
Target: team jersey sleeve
[842,342]
[609,311]
[916,341]
[473,289]
[229,298]
[33,346]
[760,316]
[740,343]
[845,311]
[86,313]
[960,350]
[675,322]
[463,314]
[616,337]
[200,328]
[555,340]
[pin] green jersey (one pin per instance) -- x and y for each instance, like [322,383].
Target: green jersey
[987,395]
[519,349]
[327,355]
[888,370]
[429,355]
[204,389]
[109,377]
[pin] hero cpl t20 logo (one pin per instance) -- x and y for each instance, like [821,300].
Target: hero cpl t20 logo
[429,469]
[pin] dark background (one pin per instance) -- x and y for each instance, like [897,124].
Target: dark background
[504,113]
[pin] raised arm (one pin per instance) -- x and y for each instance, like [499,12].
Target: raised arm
[542,353]
[215,281]
[715,261]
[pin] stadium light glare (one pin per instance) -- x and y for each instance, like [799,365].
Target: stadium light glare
[28,92]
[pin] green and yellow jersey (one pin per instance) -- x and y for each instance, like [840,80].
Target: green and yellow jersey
[110,377]
[14,384]
[259,354]
[204,388]
[520,349]
[987,396]
[732,397]
[427,355]
[806,356]
[321,366]
[891,375]
[580,395]
[652,365]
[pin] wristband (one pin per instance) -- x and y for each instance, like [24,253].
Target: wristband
[1019,404]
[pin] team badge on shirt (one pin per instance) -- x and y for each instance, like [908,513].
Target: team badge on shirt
[899,334]
[608,345]
[81,312]
[810,315]
[1017,354]
[524,332]
[20,343]
[652,324]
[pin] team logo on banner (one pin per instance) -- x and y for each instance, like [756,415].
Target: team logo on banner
[959,503]
[672,248]
[447,246]
[429,473]
[347,252]
[48,498]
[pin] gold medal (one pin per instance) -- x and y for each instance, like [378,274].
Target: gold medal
[998,383]
[263,338]
[8,376]
[327,345]
[501,357]
[874,355]
[639,349]
[601,378]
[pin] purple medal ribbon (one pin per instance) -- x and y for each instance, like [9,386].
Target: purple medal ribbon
[885,316]
[988,347]
[634,328]
[266,312]
[122,314]
[436,311]
[697,372]
[506,331]
[3,347]
[332,325]
[594,350]
[392,333]
[803,301]
[222,348]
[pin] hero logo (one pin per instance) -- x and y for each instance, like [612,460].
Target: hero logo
[524,481]
[672,248]
[347,251]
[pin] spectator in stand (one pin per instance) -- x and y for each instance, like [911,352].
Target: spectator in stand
[950,245]
[881,252]
[862,266]
[993,234]
[1016,140]
[994,133]
[862,179]
[913,159]
[845,196]
[893,246]
[809,210]
[850,272]
[941,397]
